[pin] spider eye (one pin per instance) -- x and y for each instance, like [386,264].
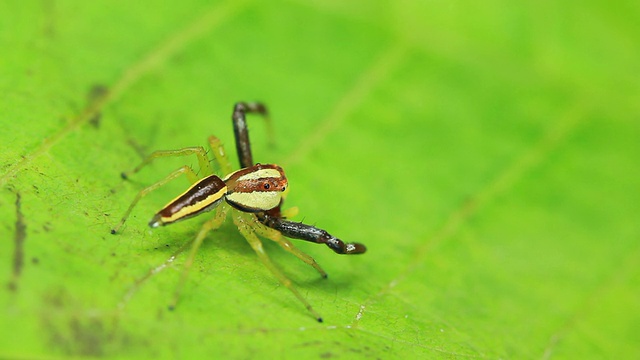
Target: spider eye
[266,186]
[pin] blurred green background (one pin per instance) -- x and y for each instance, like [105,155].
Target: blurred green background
[486,153]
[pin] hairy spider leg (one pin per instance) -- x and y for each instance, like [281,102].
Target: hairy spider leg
[246,224]
[243,146]
[191,175]
[203,161]
[276,236]
[209,225]
[220,155]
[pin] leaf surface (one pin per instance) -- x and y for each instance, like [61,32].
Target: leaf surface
[487,155]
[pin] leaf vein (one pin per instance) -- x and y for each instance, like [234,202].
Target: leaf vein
[369,79]
[623,267]
[501,183]
[172,45]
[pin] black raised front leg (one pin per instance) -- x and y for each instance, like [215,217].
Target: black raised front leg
[273,218]
[310,233]
[243,146]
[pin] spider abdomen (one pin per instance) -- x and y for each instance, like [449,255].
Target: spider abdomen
[202,196]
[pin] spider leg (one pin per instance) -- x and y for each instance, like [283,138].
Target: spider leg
[243,221]
[276,236]
[220,155]
[209,225]
[243,146]
[203,161]
[310,233]
[191,175]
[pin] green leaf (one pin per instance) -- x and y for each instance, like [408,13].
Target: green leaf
[486,154]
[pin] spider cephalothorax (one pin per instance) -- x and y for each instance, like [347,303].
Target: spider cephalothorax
[254,193]
[256,188]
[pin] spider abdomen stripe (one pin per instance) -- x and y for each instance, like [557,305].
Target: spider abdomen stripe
[202,196]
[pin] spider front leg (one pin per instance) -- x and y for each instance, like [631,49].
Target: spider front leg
[243,146]
[203,160]
[310,233]
[220,155]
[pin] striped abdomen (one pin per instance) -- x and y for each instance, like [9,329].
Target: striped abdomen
[202,196]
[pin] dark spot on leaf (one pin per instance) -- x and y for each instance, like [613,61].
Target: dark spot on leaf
[95,99]
[49,19]
[19,238]
[95,120]
[97,93]
[141,150]
[71,329]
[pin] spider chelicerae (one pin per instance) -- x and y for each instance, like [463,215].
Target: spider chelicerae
[253,194]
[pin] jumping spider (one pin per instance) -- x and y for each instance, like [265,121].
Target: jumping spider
[254,194]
